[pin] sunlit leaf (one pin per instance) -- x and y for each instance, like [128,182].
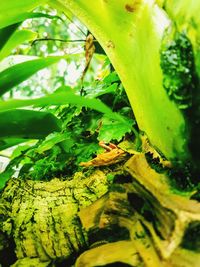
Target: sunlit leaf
[62,99]
[101,90]
[14,11]
[28,15]
[19,150]
[13,60]
[183,11]
[20,72]
[10,141]
[16,39]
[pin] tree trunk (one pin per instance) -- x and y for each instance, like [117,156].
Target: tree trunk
[42,217]
[135,220]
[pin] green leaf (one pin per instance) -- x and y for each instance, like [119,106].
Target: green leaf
[114,130]
[19,150]
[14,60]
[134,52]
[29,15]
[21,36]
[13,11]
[85,151]
[183,11]
[4,177]
[62,99]
[111,78]
[27,124]
[18,73]
[10,141]
[50,141]
[6,32]
[16,39]
[101,90]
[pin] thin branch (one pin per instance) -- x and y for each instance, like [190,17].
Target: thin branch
[56,39]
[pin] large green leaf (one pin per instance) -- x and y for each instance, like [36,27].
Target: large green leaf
[10,141]
[133,48]
[183,11]
[27,124]
[27,15]
[13,11]
[18,73]
[62,99]
[21,36]
[6,32]
[16,39]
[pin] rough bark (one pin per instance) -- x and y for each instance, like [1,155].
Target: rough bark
[135,221]
[42,218]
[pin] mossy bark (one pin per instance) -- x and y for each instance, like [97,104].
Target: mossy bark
[42,217]
[135,220]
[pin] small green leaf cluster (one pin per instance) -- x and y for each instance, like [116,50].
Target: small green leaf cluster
[60,153]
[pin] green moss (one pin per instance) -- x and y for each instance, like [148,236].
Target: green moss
[177,63]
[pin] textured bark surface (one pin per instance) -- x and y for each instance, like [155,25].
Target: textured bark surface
[172,219]
[162,226]
[42,218]
[135,220]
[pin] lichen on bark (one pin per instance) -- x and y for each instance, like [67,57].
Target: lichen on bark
[42,216]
